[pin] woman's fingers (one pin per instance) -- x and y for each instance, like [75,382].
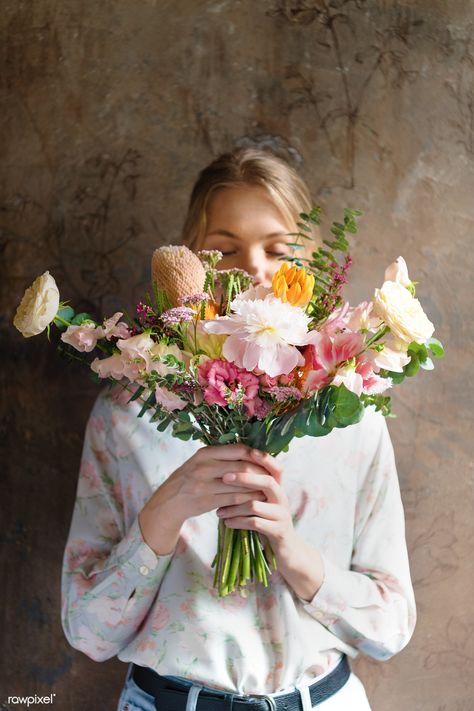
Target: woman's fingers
[264,509]
[264,482]
[234,452]
[268,462]
[226,452]
[226,499]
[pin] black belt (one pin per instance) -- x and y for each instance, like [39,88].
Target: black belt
[171,695]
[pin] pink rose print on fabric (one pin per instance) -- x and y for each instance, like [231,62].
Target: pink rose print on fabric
[108,610]
[89,481]
[266,601]
[160,617]
[187,607]
[302,506]
[96,649]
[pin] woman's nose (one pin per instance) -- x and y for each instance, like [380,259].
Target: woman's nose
[255,265]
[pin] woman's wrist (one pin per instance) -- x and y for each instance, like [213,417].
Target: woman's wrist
[159,524]
[302,567]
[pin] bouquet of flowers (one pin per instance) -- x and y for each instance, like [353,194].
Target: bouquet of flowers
[223,361]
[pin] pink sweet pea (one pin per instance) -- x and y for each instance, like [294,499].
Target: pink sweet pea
[168,399]
[83,337]
[112,328]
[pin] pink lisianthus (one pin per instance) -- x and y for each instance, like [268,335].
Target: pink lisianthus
[83,337]
[226,384]
[267,382]
[327,355]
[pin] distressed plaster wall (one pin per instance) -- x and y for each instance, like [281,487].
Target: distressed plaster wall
[109,110]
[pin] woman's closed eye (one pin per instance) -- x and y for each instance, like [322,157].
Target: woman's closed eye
[270,252]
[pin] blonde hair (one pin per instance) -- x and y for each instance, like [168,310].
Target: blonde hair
[243,167]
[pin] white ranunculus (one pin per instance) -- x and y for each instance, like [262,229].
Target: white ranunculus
[398,271]
[38,306]
[402,313]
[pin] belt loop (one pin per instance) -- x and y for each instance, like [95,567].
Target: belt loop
[306,702]
[192,699]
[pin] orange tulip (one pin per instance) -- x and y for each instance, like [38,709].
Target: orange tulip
[292,284]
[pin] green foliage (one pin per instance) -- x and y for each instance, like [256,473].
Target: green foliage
[149,402]
[66,313]
[324,264]
[316,416]
[137,393]
[382,403]
[435,347]
[419,358]
[80,318]
[162,302]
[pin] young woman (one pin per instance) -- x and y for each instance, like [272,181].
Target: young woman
[137,577]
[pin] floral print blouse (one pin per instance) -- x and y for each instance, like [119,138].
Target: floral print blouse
[119,598]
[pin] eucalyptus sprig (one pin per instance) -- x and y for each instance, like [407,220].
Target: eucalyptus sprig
[325,263]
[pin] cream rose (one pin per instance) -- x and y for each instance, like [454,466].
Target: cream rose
[38,306]
[402,313]
[398,271]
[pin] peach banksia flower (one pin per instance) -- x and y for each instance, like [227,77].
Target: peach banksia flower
[292,284]
[177,271]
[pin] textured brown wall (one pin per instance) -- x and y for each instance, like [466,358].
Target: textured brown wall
[109,109]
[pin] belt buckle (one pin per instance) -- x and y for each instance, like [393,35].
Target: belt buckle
[271,701]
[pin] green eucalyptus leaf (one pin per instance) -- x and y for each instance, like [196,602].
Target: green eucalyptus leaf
[427,364]
[80,318]
[345,407]
[412,367]
[137,393]
[149,402]
[67,313]
[228,438]
[436,347]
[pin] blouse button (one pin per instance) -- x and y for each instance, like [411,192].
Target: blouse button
[144,569]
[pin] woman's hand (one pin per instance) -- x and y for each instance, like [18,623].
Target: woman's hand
[299,563]
[197,487]
[270,516]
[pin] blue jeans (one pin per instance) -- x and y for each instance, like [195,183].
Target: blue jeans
[133,698]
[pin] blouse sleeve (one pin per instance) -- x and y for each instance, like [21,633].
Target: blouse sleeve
[110,576]
[372,606]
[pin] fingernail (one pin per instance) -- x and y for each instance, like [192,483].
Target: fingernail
[229,477]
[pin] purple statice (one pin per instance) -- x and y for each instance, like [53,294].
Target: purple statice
[193,298]
[179,314]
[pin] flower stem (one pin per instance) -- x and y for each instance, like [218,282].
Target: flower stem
[61,320]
